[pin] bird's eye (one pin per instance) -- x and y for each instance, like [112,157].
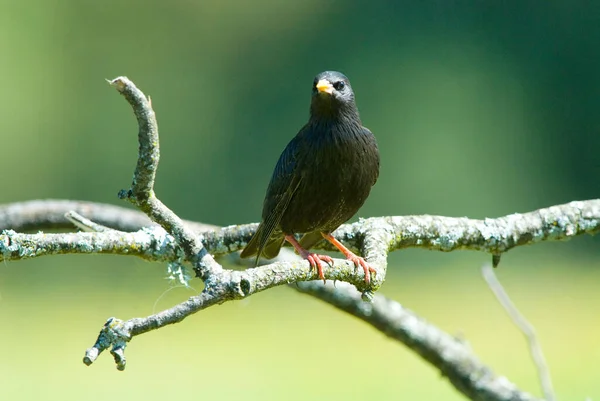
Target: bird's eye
[339,85]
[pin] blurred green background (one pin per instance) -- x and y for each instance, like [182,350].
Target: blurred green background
[480,110]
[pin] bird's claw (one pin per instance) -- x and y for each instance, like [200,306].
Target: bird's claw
[358,261]
[315,262]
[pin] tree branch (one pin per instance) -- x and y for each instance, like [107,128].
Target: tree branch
[440,233]
[230,285]
[142,194]
[501,234]
[150,243]
[48,214]
[453,358]
[526,328]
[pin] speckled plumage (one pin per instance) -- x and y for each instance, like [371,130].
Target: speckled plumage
[324,174]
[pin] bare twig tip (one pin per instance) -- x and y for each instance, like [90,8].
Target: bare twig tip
[120,83]
[83,223]
[118,353]
[91,355]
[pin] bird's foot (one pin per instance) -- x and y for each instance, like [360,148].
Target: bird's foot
[315,262]
[359,261]
[313,259]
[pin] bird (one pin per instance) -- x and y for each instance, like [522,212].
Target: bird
[323,176]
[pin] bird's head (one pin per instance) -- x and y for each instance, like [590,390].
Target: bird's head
[332,95]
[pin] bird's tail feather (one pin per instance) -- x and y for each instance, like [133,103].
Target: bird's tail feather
[269,250]
[273,246]
[252,248]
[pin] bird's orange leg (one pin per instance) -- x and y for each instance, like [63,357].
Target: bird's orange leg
[357,260]
[313,258]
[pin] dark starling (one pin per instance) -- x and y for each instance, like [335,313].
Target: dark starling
[322,178]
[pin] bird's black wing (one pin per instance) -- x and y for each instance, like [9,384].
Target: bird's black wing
[284,183]
[373,153]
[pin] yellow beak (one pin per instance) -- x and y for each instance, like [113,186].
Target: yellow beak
[324,86]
